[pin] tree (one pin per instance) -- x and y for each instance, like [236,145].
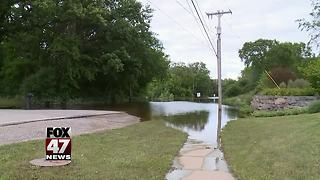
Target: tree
[312,73]
[312,26]
[254,54]
[183,81]
[268,55]
[66,49]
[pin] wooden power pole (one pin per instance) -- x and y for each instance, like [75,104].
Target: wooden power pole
[219,14]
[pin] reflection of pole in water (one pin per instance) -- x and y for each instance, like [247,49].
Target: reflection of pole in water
[219,128]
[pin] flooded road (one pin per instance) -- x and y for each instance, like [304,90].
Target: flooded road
[199,120]
[200,156]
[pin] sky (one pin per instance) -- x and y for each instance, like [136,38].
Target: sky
[183,40]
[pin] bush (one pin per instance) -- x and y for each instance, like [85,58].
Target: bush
[282,74]
[283,85]
[312,73]
[232,90]
[289,92]
[245,111]
[298,83]
[265,82]
[285,112]
[11,103]
[314,107]
[242,103]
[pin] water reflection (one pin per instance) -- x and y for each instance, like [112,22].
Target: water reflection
[199,120]
[194,121]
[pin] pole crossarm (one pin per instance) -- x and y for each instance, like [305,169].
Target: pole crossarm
[219,13]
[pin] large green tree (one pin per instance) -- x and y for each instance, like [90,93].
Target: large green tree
[265,55]
[311,70]
[183,81]
[80,48]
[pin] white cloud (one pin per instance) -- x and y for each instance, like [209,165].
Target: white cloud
[251,20]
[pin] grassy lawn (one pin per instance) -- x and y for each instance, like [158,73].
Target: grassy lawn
[274,148]
[11,103]
[142,151]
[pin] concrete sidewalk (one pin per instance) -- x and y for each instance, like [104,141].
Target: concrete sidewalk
[199,161]
[15,117]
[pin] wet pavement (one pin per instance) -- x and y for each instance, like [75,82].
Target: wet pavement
[13,117]
[198,160]
[29,129]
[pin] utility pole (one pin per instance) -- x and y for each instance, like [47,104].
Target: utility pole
[219,14]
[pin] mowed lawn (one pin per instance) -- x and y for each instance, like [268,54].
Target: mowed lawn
[142,151]
[274,148]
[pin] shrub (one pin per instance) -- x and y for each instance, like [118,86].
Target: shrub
[312,73]
[245,111]
[283,85]
[282,74]
[285,112]
[11,103]
[265,82]
[314,107]
[288,92]
[298,83]
[232,90]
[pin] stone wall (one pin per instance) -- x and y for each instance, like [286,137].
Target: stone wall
[281,102]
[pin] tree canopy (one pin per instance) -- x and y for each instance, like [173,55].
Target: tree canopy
[65,49]
[266,55]
[183,81]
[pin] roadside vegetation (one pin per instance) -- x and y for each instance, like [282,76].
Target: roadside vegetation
[273,148]
[182,82]
[77,49]
[142,151]
[286,147]
[11,103]
[284,112]
[272,68]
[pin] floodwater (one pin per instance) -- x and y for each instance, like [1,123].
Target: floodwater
[199,120]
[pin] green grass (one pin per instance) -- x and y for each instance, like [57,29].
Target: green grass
[274,148]
[142,151]
[284,112]
[242,102]
[289,92]
[10,103]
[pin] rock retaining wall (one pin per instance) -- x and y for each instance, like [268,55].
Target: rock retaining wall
[281,102]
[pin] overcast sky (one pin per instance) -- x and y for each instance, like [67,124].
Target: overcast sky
[183,41]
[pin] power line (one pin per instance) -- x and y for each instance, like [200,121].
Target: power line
[215,52]
[205,23]
[190,11]
[177,23]
[180,4]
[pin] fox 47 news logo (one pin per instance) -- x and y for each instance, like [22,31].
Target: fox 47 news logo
[58,143]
